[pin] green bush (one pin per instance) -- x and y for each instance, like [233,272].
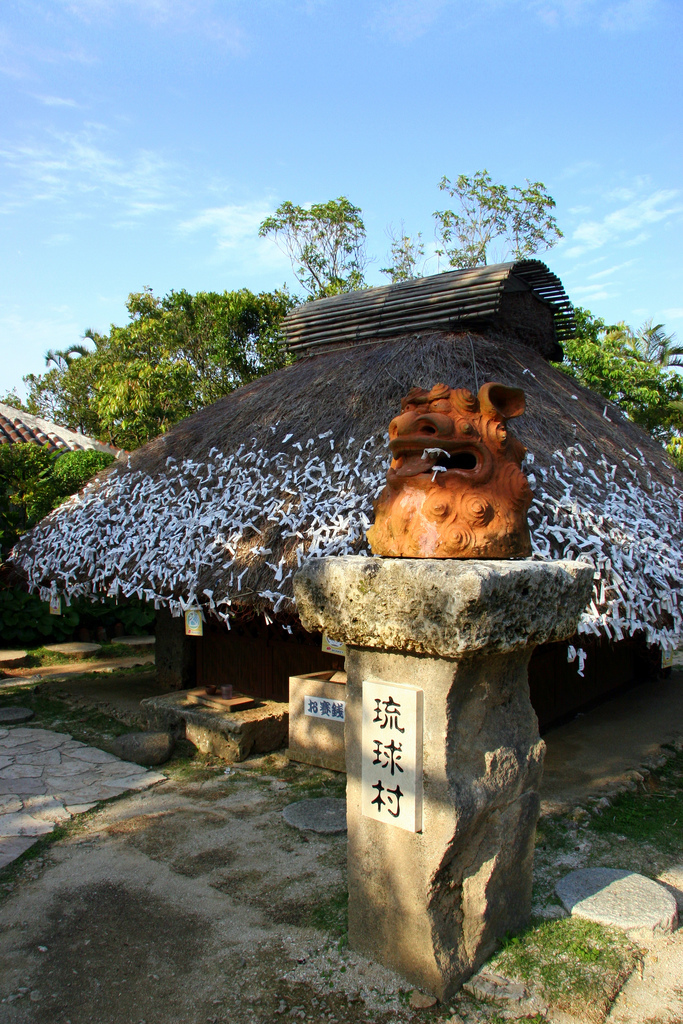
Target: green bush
[34,480]
[26,620]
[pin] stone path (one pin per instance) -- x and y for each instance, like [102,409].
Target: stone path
[46,777]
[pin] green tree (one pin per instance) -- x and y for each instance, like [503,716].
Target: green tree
[34,480]
[649,343]
[325,243]
[519,219]
[177,354]
[601,358]
[405,254]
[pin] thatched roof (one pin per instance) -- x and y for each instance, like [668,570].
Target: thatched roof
[18,427]
[222,509]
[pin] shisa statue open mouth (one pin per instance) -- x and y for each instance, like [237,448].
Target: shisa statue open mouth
[455,488]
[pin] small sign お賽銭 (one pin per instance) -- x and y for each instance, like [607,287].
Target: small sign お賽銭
[391,773]
[194,625]
[325,707]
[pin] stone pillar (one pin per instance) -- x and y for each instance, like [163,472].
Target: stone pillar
[433,888]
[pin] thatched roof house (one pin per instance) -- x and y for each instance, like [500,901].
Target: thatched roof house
[223,508]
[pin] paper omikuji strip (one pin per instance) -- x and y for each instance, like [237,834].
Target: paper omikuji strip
[194,532]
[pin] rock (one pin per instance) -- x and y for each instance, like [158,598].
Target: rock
[12,659]
[10,716]
[77,651]
[621,899]
[496,989]
[324,814]
[143,747]
[420,1000]
[442,607]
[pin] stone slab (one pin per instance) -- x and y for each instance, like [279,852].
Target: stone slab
[318,741]
[443,607]
[617,898]
[232,736]
[12,659]
[10,716]
[76,650]
[12,847]
[135,641]
[325,815]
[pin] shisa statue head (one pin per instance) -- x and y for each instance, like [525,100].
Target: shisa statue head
[455,487]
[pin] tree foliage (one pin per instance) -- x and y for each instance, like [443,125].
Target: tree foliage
[325,243]
[518,219]
[176,355]
[405,254]
[34,480]
[606,359]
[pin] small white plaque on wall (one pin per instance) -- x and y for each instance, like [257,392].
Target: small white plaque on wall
[391,772]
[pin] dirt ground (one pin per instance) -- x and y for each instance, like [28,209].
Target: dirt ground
[195,903]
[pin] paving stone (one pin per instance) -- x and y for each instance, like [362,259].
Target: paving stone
[3,733]
[92,754]
[75,650]
[10,804]
[44,757]
[22,787]
[8,716]
[22,824]
[46,806]
[22,771]
[12,847]
[622,899]
[324,814]
[79,808]
[6,759]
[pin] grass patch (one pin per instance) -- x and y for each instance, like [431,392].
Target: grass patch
[652,815]
[332,914]
[578,966]
[52,713]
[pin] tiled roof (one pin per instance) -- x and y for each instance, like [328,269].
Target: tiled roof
[17,427]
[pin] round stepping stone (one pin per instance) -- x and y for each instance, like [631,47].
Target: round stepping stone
[12,659]
[135,641]
[621,899]
[10,716]
[325,814]
[75,650]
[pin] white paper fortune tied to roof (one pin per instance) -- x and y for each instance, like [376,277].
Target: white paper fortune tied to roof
[392,754]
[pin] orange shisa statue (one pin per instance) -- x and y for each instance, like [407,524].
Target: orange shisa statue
[455,487]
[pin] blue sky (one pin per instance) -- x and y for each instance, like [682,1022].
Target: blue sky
[142,142]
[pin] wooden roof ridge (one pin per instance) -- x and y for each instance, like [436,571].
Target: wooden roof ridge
[452,301]
[17,426]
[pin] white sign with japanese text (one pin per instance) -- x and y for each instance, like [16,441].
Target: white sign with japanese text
[325,707]
[392,754]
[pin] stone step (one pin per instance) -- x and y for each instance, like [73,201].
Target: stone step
[78,651]
[13,659]
[620,899]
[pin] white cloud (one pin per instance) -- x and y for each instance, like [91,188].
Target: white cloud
[235,229]
[408,19]
[56,101]
[591,293]
[610,271]
[675,313]
[196,17]
[626,224]
[76,166]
